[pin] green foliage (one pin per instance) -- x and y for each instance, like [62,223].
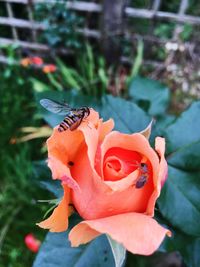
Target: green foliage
[42,175]
[18,191]
[187,245]
[164,30]
[89,76]
[150,95]
[183,190]
[137,62]
[187,157]
[185,131]
[56,251]
[60,25]
[128,117]
[180,197]
[187,32]
[13,96]
[183,187]
[11,52]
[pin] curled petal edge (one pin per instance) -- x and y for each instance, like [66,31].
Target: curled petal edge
[160,149]
[147,131]
[139,233]
[58,221]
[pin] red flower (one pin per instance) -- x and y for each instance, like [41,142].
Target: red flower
[37,61]
[49,68]
[32,243]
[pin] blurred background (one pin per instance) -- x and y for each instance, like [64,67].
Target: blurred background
[94,47]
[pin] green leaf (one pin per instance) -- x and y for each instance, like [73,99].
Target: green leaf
[188,247]
[185,130]
[138,59]
[180,197]
[57,251]
[42,174]
[165,120]
[128,117]
[150,95]
[180,200]
[70,76]
[186,158]
[118,250]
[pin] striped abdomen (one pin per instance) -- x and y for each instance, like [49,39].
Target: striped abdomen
[73,120]
[70,122]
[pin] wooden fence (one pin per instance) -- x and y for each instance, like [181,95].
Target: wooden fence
[111,13]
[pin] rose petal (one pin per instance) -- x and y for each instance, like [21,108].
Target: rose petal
[147,131]
[62,172]
[160,148]
[105,128]
[123,183]
[64,145]
[91,135]
[162,172]
[139,233]
[71,183]
[94,133]
[58,221]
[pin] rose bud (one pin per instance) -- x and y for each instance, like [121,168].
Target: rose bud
[32,243]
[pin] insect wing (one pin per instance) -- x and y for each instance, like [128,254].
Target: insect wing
[55,107]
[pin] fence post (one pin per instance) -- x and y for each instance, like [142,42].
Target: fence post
[112,24]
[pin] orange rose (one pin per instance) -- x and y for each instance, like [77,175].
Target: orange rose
[50,68]
[101,172]
[25,62]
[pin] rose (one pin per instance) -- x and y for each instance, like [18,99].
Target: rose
[99,169]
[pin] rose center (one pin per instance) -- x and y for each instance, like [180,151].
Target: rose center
[119,163]
[115,165]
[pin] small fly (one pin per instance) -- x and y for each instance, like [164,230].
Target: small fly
[144,175]
[73,116]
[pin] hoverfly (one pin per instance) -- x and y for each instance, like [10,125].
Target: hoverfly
[74,116]
[143,176]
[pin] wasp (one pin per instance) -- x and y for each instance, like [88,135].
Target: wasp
[144,175]
[73,116]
